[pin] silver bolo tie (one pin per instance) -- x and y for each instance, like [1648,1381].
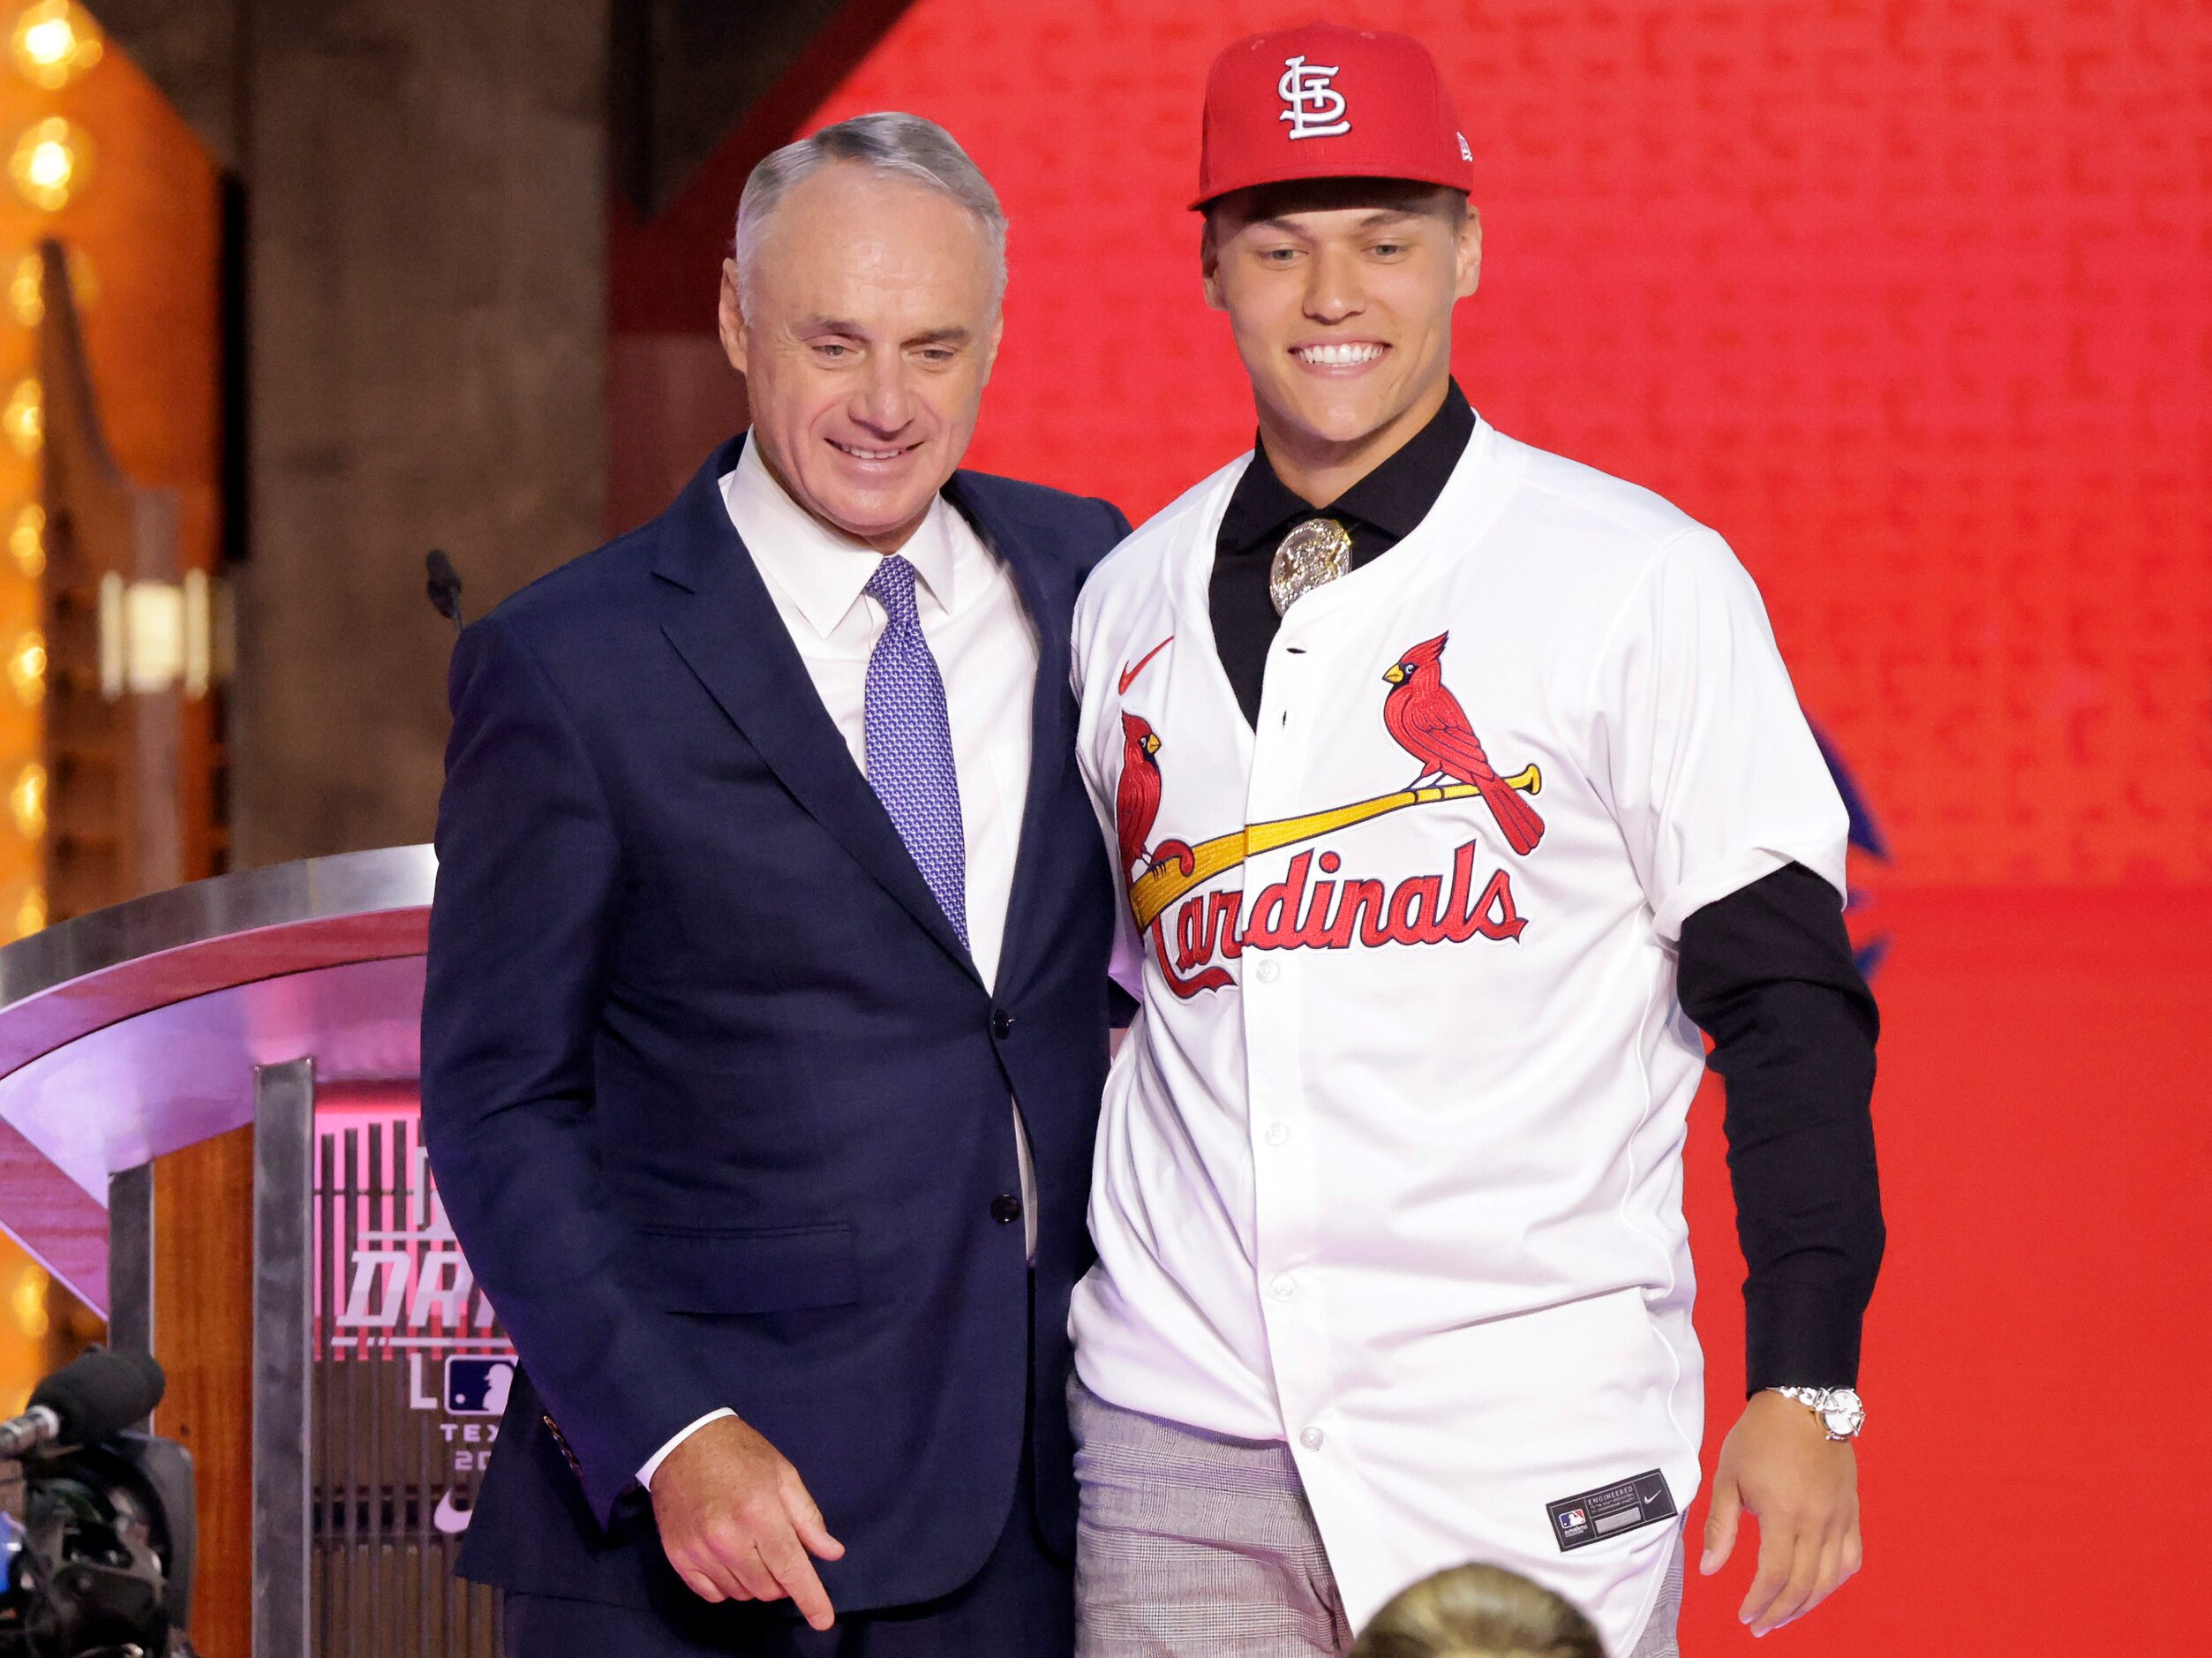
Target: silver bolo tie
[1313,554]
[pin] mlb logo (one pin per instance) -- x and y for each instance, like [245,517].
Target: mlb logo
[478,1386]
[1573,1520]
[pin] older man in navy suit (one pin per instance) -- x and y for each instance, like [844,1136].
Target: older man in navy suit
[768,1004]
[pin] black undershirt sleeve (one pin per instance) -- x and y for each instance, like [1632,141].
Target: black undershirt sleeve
[1767,973]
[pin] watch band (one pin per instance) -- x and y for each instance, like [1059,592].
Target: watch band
[1842,1413]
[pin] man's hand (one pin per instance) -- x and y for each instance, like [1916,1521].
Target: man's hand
[737,1522]
[1778,1463]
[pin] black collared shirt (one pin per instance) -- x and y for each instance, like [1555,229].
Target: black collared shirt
[1766,972]
[1379,510]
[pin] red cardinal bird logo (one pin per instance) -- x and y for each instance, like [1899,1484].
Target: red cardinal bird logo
[1136,806]
[1428,723]
[1137,797]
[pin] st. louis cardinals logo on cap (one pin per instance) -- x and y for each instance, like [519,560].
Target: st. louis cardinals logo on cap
[1324,102]
[1332,912]
[1314,108]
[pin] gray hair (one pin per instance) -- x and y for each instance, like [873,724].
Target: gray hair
[904,144]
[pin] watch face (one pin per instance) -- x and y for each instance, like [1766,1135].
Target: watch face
[1844,1415]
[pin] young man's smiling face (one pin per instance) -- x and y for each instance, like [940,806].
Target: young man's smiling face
[1340,294]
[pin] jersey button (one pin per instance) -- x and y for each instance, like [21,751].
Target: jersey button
[1312,1438]
[1005,1209]
[1284,1287]
[1268,970]
[1277,1132]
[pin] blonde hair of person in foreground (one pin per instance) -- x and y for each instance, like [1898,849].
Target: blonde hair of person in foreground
[1478,1612]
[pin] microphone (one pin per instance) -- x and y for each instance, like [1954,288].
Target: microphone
[444,586]
[26,1432]
[99,1395]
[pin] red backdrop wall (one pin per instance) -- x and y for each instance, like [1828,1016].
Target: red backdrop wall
[1914,301]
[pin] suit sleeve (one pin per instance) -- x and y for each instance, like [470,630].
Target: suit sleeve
[1116,524]
[529,873]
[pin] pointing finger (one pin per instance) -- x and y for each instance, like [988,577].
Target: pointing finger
[795,1575]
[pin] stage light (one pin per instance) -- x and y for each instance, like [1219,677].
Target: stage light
[27,291]
[49,164]
[154,635]
[23,419]
[27,540]
[27,287]
[30,914]
[54,43]
[27,801]
[26,668]
[159,637]
[28,1302]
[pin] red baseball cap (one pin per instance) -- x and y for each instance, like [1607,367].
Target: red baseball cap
[1324,102]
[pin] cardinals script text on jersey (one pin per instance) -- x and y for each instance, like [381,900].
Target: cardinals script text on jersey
[1317,905]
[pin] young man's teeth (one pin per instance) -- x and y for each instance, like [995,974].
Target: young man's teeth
[1338,356]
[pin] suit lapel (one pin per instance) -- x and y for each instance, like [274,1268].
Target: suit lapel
[726,627]
[1046,594]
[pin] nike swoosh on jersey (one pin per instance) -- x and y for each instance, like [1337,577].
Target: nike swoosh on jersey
[1129,674]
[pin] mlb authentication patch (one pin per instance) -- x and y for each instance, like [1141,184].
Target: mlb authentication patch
[1611,1509]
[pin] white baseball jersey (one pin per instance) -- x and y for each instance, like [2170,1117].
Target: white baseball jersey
[1390,1163]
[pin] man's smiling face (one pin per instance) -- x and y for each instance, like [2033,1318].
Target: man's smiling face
[1340,295]
[866,336]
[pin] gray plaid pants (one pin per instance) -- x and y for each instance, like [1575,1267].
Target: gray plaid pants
[1191,1545]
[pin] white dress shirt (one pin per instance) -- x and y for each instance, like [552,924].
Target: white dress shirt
[985,644]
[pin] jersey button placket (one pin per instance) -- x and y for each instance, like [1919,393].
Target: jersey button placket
[1290,1082]
[1292,1295]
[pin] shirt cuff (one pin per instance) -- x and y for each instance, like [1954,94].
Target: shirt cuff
[1801,1336]
[653,1465]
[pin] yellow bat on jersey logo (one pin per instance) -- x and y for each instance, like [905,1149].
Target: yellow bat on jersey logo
[1177,868]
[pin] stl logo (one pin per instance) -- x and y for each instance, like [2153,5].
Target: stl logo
[1314,108]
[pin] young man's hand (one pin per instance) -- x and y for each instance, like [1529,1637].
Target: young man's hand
[737,1523]
[1778,1463]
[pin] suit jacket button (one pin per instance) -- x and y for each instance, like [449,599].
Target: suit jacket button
[1005,1209]
[1001,1024]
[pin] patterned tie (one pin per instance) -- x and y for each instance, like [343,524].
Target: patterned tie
[909,744]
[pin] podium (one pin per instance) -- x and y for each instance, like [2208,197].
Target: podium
[208,1104]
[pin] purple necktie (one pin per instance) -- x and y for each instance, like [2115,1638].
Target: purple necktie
[910,745]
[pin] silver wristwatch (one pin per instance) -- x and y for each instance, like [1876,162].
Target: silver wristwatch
[1840,1412]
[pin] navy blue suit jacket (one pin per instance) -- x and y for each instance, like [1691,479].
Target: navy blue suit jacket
[715,1098]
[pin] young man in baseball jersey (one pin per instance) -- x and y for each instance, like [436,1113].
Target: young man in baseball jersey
[1453,786]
